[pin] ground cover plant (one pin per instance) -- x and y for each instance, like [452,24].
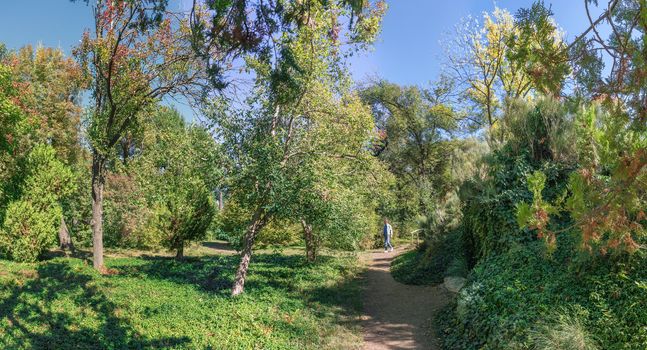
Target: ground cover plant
[155,302]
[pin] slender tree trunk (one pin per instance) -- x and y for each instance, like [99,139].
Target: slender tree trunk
[259,219]
[221,203]
[64,239]
[180,251]
[97,211]
[309,238]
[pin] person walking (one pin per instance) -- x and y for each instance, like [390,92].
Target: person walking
[388,234]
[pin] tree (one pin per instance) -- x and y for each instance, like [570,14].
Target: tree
[339,207]
[137,55]
[505,58]
[606,192]
[625,49]
[537,47]
[176,168]
[300,79]
[51,86]
[416,126]
[184,214]
[12,127]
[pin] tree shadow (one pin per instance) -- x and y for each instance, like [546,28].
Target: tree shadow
[269,273]
[219,246]
[207,273]
[80,254]
[216,273]
[36,312]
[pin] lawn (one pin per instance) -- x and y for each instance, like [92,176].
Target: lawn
[154,302]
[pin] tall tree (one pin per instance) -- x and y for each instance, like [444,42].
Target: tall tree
[176,167]
[416,127]
[339,207]
[137,54]
[51,86]
[506,57]
[300,109]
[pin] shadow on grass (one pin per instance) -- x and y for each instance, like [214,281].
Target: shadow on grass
[223,246]
[36,312]
[268,273]
[61,304]
[215,273]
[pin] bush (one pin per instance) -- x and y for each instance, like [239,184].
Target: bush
[28,231]
[184,215]
[518,282]
[234,220]
[126,214]
[31,221]
[490,205]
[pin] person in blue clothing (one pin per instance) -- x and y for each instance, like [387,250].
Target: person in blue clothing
[388,234]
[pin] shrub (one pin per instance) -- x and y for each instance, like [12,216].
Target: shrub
[234,220]
[126,213]
[28,231]
[543,128]
[515,287]
[31,220]
[185,215]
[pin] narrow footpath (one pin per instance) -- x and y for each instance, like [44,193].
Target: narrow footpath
[397,316]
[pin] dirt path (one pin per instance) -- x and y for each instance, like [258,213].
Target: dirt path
[397,316]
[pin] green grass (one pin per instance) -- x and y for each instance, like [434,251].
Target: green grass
[412,268]
[156,302]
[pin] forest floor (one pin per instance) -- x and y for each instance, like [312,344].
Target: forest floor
[397,316]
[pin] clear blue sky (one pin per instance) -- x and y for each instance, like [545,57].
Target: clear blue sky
[408,51]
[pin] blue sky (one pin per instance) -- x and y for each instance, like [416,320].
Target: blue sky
[408,51]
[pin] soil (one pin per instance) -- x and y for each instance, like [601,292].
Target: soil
[398,316]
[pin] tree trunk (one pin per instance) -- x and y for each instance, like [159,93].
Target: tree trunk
[258,221]
[221,203]
[97,211]
[64,239]
[309,238]
[180,252]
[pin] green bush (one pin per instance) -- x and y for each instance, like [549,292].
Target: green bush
[521,294]
[185,215]
[31,221]
[234,220]
[126,213]
[490,205]
[28,231]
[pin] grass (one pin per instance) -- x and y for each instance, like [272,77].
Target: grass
[412,268]
[154,302]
